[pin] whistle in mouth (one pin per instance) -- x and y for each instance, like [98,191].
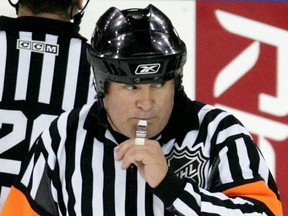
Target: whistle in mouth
[141,132]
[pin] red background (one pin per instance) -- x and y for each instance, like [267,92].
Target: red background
[216,47]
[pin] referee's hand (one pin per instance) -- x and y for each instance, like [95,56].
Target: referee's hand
[148,158]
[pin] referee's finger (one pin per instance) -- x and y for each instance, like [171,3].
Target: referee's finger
[122,148]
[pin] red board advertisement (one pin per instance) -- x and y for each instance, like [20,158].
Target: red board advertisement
[242,66]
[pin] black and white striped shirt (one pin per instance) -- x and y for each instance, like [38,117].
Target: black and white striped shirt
[213,164]
[43,72]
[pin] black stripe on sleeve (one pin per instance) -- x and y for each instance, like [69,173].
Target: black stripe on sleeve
[87,176]
[109,179]
[70,146]
[131,191]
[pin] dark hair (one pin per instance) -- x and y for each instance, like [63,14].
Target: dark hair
[47,6]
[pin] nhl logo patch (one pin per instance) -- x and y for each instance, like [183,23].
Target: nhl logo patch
[188,164]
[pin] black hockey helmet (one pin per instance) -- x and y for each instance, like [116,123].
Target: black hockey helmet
[135,46]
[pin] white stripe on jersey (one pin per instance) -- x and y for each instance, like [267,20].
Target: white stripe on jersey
[210,208]
[3,56]
[263,169]
[71,74]
[80,136]
[51,156]
[223,197]
[3,195]
[97,196]
[232,130]
[224,210]
[28,172]
[185,209]
[158,206]
[191,190]
[225,176]
[23,68]
[47,74]
[211,128]
[179,204]
[37,175]
[120,192]
[141,187]
[11,166]
[244,160]
[61,155]
[204,110]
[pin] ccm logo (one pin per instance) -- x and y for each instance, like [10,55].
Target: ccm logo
[38,46]
[147,69]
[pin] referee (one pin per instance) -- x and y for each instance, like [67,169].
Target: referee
[43,72]
[144,148]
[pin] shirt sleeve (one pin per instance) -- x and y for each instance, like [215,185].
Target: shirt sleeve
[190,199]
[240,182]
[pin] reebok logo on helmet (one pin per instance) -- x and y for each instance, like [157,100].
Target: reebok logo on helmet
[147,69]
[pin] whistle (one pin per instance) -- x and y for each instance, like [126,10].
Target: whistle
[141,132]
